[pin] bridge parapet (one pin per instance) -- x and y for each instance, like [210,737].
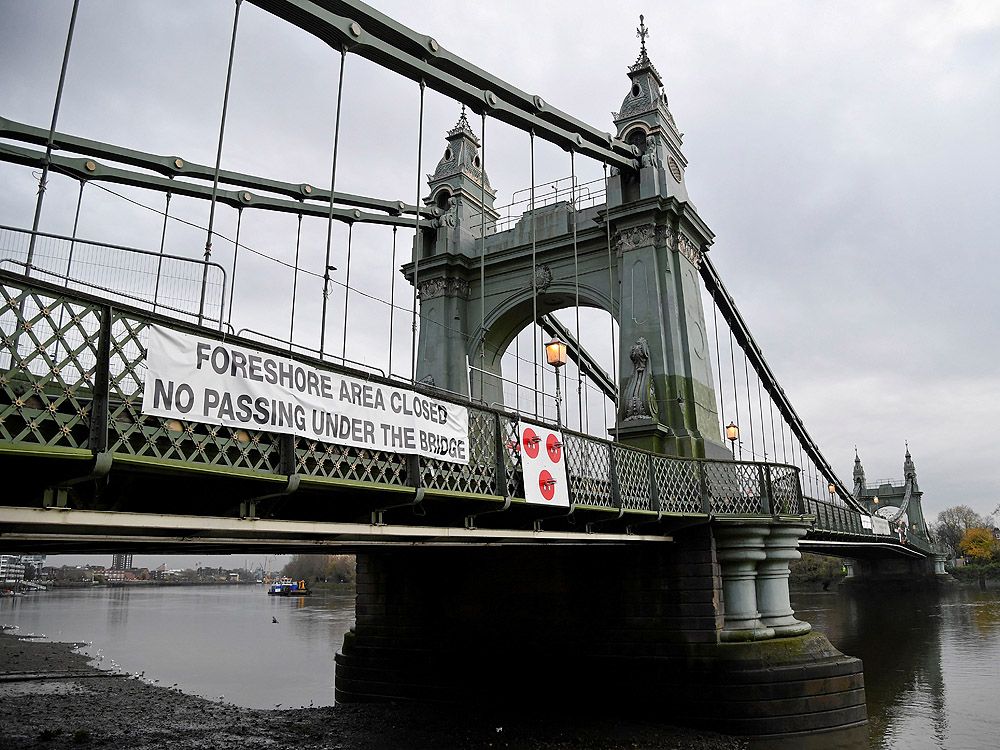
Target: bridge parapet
[60,345]
[832,518]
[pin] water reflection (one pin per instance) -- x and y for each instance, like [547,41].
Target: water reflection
[210,641]
[930,662]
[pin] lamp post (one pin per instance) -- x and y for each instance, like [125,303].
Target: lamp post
[555,355]
[732,435]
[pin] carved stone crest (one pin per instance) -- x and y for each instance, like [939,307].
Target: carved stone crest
[663,237]
[633,237]
[444,287]
[688,249]
[640,393]
[543,278]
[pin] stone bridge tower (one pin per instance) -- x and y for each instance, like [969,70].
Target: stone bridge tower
[666,391]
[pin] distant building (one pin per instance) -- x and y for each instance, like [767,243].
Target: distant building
[11,569]
[121,562]
[37,561]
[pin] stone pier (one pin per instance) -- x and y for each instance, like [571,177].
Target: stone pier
[648,629]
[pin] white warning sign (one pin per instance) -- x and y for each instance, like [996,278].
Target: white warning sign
[203,380]
[544,465]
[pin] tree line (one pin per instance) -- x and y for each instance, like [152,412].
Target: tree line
[321,568]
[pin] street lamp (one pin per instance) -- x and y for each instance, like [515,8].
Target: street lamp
[555,355]
[732,435]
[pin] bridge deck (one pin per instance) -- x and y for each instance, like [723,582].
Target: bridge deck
[72,434]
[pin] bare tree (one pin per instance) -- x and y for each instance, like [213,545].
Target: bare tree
[952,524]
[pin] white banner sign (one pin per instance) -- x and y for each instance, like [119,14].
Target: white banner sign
[203,380]
[543,463]
[866,522]
[880,526]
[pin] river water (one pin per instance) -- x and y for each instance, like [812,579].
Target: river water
[932,662]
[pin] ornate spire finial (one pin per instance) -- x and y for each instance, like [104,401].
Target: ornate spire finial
[462,126]
[642,32]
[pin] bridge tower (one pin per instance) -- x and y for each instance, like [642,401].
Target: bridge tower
[893,500]
[460,191]
[478,292]
[660,240]
[901,504]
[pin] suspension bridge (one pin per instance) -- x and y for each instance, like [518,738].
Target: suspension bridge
[138,413]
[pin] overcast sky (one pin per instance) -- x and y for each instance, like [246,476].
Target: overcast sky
[845,155]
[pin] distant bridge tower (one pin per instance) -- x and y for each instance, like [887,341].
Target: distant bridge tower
[895,501]
[666,387]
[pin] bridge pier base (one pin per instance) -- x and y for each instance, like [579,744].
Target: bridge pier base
[898,574]
[634,629]
[781,547]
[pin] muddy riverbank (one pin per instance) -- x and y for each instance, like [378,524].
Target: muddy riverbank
[51,698]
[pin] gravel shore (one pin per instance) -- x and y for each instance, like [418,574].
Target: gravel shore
[51,698]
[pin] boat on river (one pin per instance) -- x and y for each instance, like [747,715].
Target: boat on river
[288,587]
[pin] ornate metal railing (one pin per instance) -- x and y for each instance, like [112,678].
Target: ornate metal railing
[831,517]
[71,376]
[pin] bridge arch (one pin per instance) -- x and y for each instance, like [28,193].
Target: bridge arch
[513,314]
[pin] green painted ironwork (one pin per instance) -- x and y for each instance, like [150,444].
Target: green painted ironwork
[47,396]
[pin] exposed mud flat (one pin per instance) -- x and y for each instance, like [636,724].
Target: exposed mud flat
[51,698]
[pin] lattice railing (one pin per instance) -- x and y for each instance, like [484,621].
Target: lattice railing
[57,346]
[680,485]
[588,463]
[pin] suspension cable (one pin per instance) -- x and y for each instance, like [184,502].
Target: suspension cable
[534,276]
[392,298]
[72,244]
[347,285]
[611,295]
[482,259]
[163,243]
[236,254]
[576,285]
[774,442]
[718,358]
[295,281]
[218,163]
[760,409]
[736,391]
[49,142]
[746,373]
[329,215]
[417,244]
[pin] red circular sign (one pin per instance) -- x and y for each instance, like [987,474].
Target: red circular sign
[531,441]
[553,447]
[547,485]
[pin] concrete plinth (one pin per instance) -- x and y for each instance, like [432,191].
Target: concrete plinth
[781,547]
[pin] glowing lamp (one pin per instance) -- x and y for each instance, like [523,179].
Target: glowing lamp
[555,353]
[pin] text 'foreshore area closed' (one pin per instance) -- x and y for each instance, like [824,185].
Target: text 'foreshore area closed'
[203,380]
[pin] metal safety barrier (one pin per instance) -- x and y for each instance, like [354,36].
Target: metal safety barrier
[72,367]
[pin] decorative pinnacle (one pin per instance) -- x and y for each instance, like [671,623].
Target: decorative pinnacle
[462,125]
[643,60]
[642,32]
